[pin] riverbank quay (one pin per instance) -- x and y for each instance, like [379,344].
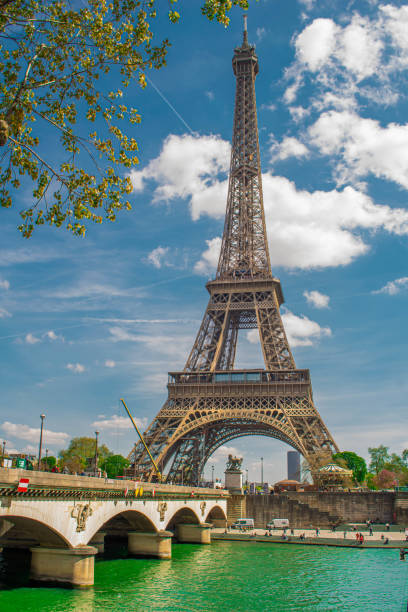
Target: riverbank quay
[396,540]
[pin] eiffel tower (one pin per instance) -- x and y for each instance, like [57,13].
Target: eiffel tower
[210,402]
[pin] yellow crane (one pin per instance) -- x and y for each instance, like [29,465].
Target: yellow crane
[156,469]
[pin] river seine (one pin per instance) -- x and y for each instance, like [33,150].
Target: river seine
[236,576]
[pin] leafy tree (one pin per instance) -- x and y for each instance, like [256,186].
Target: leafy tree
[379,456]
[79,450]
[385,479]
[370,482]
[62,62]
[114,465]
[353,462]
[48,462]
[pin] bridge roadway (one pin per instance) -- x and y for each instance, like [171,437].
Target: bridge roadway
[64,519]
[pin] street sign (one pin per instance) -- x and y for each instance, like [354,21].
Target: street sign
[7,463]
[23,485]
[21,463]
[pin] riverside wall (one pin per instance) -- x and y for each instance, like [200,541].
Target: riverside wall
[325,508]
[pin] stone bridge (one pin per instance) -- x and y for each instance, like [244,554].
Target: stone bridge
[63,519]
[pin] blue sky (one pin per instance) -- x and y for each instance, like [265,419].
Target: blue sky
[86,321]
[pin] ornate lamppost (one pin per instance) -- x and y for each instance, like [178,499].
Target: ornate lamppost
[42,417]
[212,475]
[262,472]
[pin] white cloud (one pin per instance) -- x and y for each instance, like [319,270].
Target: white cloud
[188,167]
[301,331]
[4,284]
[51,335]
[24,432]
[317,299]
[173,346]
[30,339]
[364,147]
[86,289]
[306,229]
[316,43]
[157,256]
[209,258]
[260,33]
[118,422]
[289,147]
[394,287]
[210,95]
[221,454]
[4,313]
[109,363]
[78,368]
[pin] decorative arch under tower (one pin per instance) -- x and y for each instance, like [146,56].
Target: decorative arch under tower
[210,402]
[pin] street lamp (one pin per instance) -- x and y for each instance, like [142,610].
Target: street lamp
[262,471]
[42,417]
[212,475]
[46,459]
[96,452]
[247,480]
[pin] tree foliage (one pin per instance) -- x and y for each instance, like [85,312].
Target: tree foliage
[64,63]
[379,456]
[114,465]
[79,450]
[353,462]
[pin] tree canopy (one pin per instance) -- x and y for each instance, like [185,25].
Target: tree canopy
[379,456]
[62,63]
[353,462]
[114,465]
[79,450]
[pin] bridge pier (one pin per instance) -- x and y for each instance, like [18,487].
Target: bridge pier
[194,533]
[98,540]
[73,566]
[150,544]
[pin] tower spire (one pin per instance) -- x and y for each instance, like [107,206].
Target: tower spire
[244,251]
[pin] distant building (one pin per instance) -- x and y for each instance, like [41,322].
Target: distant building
[294,472]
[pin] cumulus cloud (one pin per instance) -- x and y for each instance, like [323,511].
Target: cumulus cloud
[157,256]
[394,287]
[4,284]
[31,339]
[301,331]
[118,422]
[306,229]
[78,368]
[317,299]
[51,335]
[289,147]
[221,454]
[109,363]
[363,146]
[24,432]
[209,258]
[4,313]
[188,167]
[339,58]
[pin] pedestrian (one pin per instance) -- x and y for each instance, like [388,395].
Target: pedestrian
[361,538]
[317,531]
[386,541]
[344,534]
[292,532]
[370,530]
[357,537]
[387,526]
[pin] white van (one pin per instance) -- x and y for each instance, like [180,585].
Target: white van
[278,524]
[243,523]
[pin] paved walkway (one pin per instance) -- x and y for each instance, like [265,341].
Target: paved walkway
[326,537]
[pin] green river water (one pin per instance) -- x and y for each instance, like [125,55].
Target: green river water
[236,576]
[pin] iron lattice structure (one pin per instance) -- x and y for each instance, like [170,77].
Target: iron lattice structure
[210,402]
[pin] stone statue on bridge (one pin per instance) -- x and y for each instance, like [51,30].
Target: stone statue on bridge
[233,463]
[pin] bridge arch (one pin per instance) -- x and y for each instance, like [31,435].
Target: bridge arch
[215,515]
[182,516]
[19,531]
[120,521]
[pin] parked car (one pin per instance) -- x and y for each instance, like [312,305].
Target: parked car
[278,523]
[243,523]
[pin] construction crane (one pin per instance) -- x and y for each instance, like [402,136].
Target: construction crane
[156,469]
